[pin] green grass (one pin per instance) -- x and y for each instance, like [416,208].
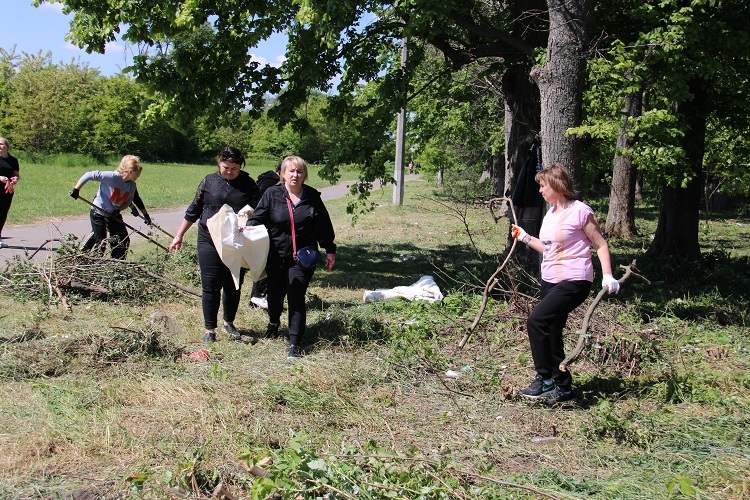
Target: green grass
[43,190]
[96,400]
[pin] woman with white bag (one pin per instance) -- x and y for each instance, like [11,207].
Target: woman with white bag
[229,185]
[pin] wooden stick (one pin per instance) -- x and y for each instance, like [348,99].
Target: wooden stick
[583,332]
[108,215]
[493,281]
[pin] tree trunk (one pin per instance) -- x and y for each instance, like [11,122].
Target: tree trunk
[677,230]
[522,115]
[621,215]
[561,81]
[638,185]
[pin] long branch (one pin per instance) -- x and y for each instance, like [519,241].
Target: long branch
[583,332]
[492,282]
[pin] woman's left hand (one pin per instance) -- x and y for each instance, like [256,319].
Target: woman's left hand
[610,283]
[330,261]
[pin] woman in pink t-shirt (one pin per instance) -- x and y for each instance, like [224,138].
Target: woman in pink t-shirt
[569,229]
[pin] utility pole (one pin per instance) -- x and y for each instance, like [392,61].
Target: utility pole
[398,189]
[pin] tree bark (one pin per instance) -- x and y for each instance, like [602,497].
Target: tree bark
[677,229]
[561,81]
[621,215]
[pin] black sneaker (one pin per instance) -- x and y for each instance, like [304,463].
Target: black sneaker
[559,395]
[294,352]
[538,388]
[233,333]
[272,330]
[209,338]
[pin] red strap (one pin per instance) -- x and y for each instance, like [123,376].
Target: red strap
[291,218]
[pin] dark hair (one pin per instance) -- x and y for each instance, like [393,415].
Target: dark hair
[231,154]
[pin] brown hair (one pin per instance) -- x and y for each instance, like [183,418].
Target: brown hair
[558,178]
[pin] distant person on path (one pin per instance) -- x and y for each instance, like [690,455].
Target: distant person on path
[229,185]
[259,293]
[312,226]
[117,190]
[9,174]
[568,231]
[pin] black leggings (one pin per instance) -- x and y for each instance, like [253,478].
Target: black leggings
[5,200]
[215,278]
[287,279]
[545,326]
[100,224]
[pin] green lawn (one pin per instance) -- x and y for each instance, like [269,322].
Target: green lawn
[43,189]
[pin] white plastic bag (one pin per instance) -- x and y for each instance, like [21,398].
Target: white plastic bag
[236,248]
[424,289]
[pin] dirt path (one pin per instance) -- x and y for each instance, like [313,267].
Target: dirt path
[42,238]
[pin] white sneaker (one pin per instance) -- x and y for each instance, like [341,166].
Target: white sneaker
[261,302]
[3,245]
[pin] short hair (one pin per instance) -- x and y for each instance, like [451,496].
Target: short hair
[558,178]
[232,155]
[130,163]
[5,141]
[293,161]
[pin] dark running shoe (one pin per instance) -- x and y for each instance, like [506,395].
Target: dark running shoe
[209,338]
[557,396]
[233,333]
[538,388]
[294,352]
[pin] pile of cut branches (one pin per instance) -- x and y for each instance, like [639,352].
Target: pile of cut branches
[72,276]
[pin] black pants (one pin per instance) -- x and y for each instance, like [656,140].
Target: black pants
[215,278]
[5,200]
[260,288]
[100,223]
[287,279]
[545,326]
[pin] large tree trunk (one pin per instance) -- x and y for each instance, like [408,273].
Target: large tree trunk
[621,215]
[677,230]
[522,112]
[561,81]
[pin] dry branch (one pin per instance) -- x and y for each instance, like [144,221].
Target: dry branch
[583,332]
[493,281]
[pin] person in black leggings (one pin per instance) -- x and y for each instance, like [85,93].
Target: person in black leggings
[9,173]
[232,186]
[312,226]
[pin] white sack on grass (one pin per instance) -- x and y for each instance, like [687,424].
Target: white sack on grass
[424,289]
[237,249]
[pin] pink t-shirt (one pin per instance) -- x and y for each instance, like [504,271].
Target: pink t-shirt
[567,249]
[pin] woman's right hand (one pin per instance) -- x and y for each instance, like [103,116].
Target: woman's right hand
[176,243]
[518,233]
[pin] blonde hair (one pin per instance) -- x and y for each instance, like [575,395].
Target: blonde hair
[130,163]
[293,161]
[5,141]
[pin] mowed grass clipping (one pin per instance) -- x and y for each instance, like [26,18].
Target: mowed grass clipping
[103,400]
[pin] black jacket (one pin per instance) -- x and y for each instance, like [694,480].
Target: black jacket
[266,180]
[312,224]
[215,191]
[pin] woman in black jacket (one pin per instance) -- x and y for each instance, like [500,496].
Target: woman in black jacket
[312,226]
[234,187]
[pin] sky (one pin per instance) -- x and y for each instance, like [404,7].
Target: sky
[32,29]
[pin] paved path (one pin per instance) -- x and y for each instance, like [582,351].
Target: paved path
[34,238]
